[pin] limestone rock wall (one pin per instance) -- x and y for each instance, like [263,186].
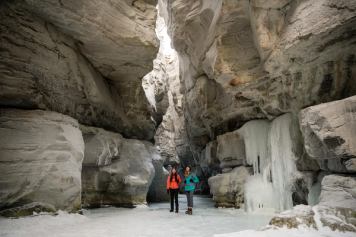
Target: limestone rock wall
[244,60]
[86,60]
[52,60]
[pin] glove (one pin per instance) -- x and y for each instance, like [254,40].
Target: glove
[167,191]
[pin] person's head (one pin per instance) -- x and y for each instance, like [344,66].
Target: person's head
[173,173]
[187,170]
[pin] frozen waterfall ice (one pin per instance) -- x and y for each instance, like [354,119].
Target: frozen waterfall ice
[270,150]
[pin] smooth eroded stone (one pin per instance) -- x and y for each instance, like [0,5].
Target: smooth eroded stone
[338,191]
[94,78]
[116,171]
[41,156]
[228,188]
[329,134]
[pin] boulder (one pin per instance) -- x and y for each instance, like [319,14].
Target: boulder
[41,156]
[329,134]
[116,171]
[337,218]
[338,191]
[228,188]
[299,215]
[317,217]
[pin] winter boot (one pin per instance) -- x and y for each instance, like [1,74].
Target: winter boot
[189,211]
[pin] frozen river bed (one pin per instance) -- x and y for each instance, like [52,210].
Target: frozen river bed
[154,220]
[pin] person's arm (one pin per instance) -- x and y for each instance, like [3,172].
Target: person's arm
[179,179]
[168,182]
[195,179]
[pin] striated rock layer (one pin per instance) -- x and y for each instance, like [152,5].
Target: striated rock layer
[41,156]
[52,60]
[244,60]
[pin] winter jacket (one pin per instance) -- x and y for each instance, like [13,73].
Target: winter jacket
[174,184]
[189,182]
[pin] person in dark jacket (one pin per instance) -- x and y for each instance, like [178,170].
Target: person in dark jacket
[173,182]
[189,187]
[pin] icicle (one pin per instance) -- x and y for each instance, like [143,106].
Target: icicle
[258,188]
[283,165]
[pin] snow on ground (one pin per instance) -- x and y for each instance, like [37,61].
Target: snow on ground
[155,220]
[288,233]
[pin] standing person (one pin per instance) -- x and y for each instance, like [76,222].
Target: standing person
[173,182]
[189,187]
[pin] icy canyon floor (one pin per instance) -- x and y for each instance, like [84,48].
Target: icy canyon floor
[153,220]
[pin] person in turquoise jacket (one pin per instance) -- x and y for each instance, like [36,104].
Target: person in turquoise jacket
[190,180]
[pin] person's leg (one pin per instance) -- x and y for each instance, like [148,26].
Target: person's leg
[176,199]
[190,193]
[190,204]
[187,194]
[172,199]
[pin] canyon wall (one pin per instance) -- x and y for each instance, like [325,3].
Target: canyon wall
[257,78]
[73,106]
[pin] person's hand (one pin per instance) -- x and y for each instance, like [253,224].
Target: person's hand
[167,191]
[185,181]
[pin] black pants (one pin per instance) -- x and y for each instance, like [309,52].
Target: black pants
[174,197]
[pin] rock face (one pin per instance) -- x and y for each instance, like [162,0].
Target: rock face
[41,156]
[338,191]
[228,188]
[244,60]
[230,150]
[157,190]
[116,171]
[209,162]
[162,88]
[329,133]
[95,78]
[124,44]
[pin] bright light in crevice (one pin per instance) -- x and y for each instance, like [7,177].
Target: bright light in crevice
[165,55]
